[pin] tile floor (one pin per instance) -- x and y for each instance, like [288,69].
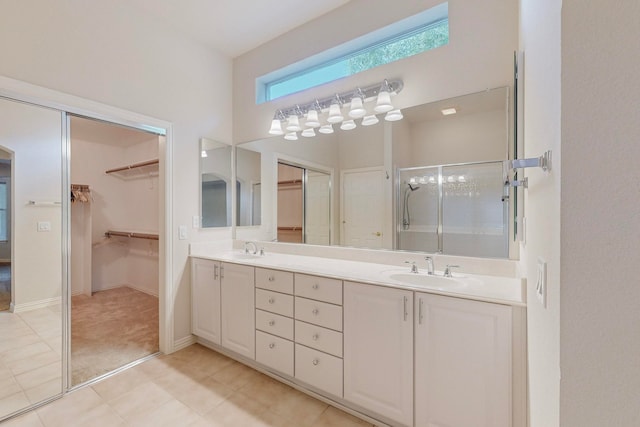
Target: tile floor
[30,357]
[194,387]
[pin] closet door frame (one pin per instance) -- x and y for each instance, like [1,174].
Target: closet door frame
[72,105]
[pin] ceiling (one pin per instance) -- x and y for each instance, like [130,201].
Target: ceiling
[234,27]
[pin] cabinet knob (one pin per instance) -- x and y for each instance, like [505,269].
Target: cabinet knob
[315,286]
[315,337]
[272,345]
[271,278]
[315,361]
[315,311]
[272,322]
[271,300]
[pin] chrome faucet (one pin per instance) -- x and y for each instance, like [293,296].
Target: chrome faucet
[447,271]
[246,247]
[430,269]
[414,267]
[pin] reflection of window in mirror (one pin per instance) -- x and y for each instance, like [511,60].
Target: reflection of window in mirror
[215,179]
[249,194]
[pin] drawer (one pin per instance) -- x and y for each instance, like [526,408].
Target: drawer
[320,338]
[319,313]
[274,352]
[319,288]
[274,280]
[274,302]
[274,324]
[319,370]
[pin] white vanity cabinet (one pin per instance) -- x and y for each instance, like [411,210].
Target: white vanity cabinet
[378,350]
[205,299]
[463,362]
[237,309]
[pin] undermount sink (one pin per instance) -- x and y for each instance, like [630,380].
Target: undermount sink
[430,281]
[237,255]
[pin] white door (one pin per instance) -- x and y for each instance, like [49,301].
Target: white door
[378,350]
[362,199]
[205,299]
[238,309]
[463,362]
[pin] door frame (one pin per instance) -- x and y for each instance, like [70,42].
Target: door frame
[69,104]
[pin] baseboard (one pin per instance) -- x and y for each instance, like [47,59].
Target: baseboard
[28,306]
[184,342]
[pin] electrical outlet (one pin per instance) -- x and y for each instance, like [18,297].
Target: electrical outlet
[541,282]
[195,221]
[44,226]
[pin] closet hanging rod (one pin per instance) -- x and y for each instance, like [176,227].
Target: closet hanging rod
[43,203]
[81,187]
[134,166]
[131,235]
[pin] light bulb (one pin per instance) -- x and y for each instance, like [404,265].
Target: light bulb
[312,119]
[326,129]
[308,133]
[348,125]
[357,109]
[369,120]
[203,153]
[393,116]
[293,125]
[383,104]
[335,115]
[276,127]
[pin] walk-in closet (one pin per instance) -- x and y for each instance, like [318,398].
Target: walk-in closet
[114,247]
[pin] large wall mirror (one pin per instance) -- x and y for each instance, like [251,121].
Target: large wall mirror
[215,184]
[432,182]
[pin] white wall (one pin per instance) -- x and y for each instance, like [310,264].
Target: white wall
[483,37]
[540,40]
[103,52]
[600,229]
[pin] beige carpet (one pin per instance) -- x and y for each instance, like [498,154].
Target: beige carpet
[5,286]
[110,329]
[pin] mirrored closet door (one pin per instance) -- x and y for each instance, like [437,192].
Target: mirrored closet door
[31,256]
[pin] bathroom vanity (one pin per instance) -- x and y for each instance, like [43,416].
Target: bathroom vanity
[394,347]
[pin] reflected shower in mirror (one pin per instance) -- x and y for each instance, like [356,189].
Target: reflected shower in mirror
[367,196]
[215,183]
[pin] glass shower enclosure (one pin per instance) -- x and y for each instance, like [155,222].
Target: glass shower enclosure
[459,209]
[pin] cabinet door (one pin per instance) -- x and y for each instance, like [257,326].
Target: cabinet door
[378,350]
[463,362]
[238,309]
[205,299]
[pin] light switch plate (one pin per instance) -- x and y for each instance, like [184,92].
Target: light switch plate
[182,232]
[541,282]
[195,221]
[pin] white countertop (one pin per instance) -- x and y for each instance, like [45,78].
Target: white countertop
[502,290]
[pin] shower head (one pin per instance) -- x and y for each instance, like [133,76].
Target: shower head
[412,187]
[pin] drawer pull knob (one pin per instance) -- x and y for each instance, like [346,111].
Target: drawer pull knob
[272,322]
[315,286]
[271,300]
[315,337]
[271,278]
[315,361]
[272,345]
[315,311]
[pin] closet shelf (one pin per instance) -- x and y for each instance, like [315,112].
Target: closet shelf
[136,170]
[131,234]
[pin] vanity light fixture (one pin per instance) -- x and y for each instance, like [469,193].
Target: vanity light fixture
[448,111]
[288,119]
[204,154]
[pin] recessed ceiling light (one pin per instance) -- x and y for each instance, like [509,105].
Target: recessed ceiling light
[448,111]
